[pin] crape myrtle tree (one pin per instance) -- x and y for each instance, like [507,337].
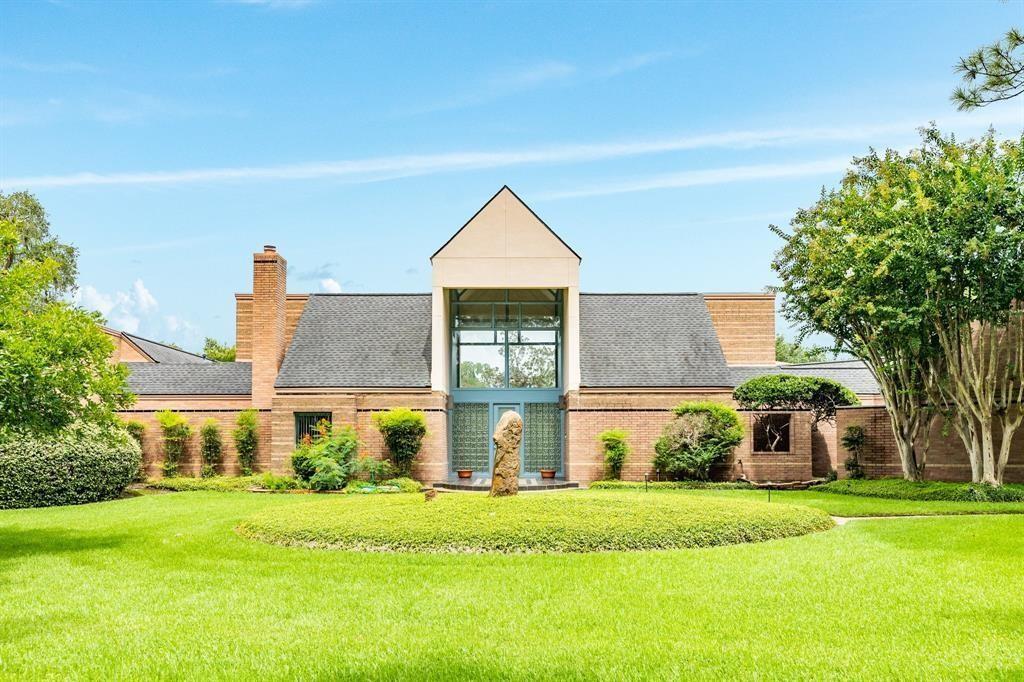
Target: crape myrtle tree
[54,358]
[914,265]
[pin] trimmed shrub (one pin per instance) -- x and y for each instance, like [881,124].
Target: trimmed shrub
[577,522]
[176,432]
[210,446]
[670,485]
[403,431]
[816,395]
[247,440]
[616,449]
[76,465]
[854,440]
[329,461]
[901,489]
[701,434]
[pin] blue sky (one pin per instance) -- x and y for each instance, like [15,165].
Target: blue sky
[169,141]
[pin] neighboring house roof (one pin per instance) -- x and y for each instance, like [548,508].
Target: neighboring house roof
[360,341]
[649,340]
[213,378]
[853,374]
[162,353]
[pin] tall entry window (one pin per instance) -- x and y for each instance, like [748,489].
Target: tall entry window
[507,338]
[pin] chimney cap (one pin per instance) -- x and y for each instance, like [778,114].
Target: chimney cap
[269,248]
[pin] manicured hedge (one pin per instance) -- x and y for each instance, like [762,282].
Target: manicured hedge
[668,485]
[900,489]
[77,465]
[556,522]
[215,483]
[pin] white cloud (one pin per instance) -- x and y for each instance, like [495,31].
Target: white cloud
[637,61]
[123,310]
[48,67]
[375,169]
[330,286]
[714,176]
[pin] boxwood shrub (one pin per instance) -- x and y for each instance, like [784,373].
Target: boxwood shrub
[77,465]
[670,485]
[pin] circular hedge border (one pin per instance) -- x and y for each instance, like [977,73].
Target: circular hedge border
[540,522]
[78,465]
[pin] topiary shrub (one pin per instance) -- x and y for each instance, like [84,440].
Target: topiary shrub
[403,431]
[211,447]
[76,465]
[616,449]
[701,434]
[854,440]
[176,432]
[816,395]
[247,440]
[329,461]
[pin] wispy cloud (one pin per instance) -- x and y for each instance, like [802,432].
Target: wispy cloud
[714,176]
[161,245]
[634,63]
[375,169]
[330,285]
[273,4]
[47,67]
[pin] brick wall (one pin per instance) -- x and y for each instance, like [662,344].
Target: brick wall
[293,307]
[947,458]
[356,409]
[745,324]
[196,411]
[645,414]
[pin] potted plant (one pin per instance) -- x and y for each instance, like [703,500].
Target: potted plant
[547,473]
[465,473]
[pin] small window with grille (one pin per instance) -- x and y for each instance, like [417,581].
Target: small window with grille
[306,424]
[771,433]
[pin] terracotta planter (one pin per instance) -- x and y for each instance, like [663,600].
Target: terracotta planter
[547,473]
[465,473]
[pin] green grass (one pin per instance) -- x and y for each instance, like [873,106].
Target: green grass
[159,586]
[583,521]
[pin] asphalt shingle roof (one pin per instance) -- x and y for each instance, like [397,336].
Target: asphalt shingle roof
[360,340]
[853,374]
[163,353]
[649,340]
[212,378]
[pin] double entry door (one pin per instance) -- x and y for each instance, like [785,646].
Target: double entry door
[473,424]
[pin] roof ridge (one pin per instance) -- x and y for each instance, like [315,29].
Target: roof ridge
[165,345]
[372,293]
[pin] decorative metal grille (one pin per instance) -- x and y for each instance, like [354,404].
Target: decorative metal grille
[542,439]
[305,423]
[471,436]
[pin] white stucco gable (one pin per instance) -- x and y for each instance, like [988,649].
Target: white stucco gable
[504,246]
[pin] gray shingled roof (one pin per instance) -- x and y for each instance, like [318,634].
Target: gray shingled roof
[360,340]
[162,353]
[853,374]
[213,378]
[649,340]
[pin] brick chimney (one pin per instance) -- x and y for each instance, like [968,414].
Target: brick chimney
[269,285]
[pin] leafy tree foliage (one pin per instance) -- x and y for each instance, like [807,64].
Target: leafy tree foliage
[217,351]
[54,358]
[916,265]
[701,434]
[794,353]
[816,395]
[32,242]
[992,73]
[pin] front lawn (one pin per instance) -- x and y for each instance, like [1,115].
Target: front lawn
[160,586]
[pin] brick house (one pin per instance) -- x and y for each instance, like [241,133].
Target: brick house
[504,326]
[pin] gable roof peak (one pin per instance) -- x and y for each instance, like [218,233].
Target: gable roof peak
[506,190]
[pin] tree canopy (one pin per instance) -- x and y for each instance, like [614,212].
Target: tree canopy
[903,262]
[217,351]
[817,395]
[31,241]
[55,364]
[793,352]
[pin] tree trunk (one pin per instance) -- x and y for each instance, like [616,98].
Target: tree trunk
[989,474]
